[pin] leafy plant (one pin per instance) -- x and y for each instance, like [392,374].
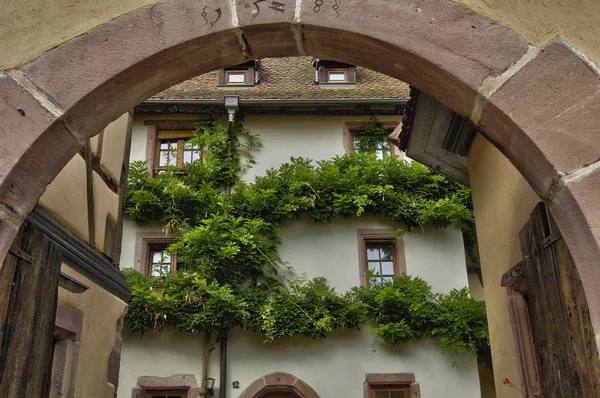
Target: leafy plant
[229,242]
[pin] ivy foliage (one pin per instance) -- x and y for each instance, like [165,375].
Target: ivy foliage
[400,310]
[229,243]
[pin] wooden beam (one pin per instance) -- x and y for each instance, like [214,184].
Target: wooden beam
[97,168]
[89,178]
[28,297]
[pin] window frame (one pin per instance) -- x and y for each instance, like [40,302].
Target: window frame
[328,72]
[144,242]
[323,67]
[392,152]
[389,388]
[68,326]
[150,263]
[149,393]
[248,79]
[365,236]
[351,129]
[181,136]
[400,381]
[250,70]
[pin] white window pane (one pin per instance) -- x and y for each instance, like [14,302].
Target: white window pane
[164,145]
[156,270]
[386,253]
[156,256]
[379,154]
[387,268]
[164,159]
[373,266]
[387,278]
[187,156]
[236,78]
[373,253]
[337,76]
[196,155]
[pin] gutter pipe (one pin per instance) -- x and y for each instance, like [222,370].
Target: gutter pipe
[223,375]
[280,102]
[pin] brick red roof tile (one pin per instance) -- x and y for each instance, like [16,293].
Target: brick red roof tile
[289,78]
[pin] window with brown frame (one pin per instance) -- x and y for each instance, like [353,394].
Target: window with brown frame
[161,262]
[337,75]
[243,75]
[174,149]
[166,393]
[379,253]
[329,73]
[236,77]
[391,385]
[390,391]
[382,148]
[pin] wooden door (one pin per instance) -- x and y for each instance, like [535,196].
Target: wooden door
[275,394]
[28,295]
[563,339]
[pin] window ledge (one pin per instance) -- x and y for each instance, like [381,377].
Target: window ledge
[235,85]
[337,85]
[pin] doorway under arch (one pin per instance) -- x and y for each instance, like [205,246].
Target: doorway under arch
[279,385]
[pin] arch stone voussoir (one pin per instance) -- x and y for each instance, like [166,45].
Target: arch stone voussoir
[281,382]
[575,208]
[546,118]
[35,147]
[134,57]
[425,44]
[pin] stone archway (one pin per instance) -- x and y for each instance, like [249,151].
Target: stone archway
[279,385]
[480,69]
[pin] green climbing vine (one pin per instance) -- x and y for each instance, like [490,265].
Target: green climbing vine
[229,242]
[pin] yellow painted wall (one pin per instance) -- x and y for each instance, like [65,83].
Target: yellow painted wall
[101,310]
[105,202]
[30,27]
[502,201]
[66,197]
[540,20]
[113,146]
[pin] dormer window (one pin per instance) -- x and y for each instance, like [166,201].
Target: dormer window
[243,75]
[337,75]
[333,74]
[233,77]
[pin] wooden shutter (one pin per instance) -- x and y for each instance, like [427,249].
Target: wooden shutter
[563,339]
[28,295]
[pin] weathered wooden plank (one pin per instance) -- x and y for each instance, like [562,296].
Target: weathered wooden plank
[586,354]
[560,323]
[28,297]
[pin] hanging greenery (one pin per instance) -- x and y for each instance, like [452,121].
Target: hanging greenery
[229,243]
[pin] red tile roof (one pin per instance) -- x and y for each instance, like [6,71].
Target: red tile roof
[289,78]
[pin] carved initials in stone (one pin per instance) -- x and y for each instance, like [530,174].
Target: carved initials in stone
[213,22]
[275,5]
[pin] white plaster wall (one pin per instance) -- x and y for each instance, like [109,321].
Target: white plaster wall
[314,137]
[130,230]
[331,250]
[334,367]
